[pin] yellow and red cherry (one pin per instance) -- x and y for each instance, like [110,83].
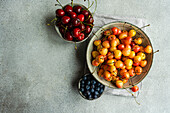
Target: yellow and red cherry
[143,63]
[111,37]
[135,88]
[112,68]
[110,55]
[137,59]
[114,73]
[77,9]
[106,44]
[76,32]
[123,35]
[142,49]
[119,32]
[60,13]
[119,84]
[138,41]
[119,64]
[107,76]
[132,54]
[128,62]
[81,17]
[95,54]
[132,33]
[136,48]
[111,62]
[126,51]
[143,56]
[136,64]
[121,46]
[118,41]
[105,57]
[103,51]
[68,9]
[113,43]
[117,54]
[100,72]
[138,70]
[122,71]
[81,36]
[112,48]
[128,67]
[115,30]
[65,19]
[97,42]
[107,32]
[148,49]
[100,59]
[127,40]
[126,75]
[131,72]
[95,63]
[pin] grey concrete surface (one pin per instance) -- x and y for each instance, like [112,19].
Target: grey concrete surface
[39,71]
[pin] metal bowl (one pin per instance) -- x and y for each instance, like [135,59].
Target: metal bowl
[98,35]
[57,29]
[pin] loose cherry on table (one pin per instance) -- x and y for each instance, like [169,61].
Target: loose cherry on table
[77,9]
[60,13]
[68,9]
[65,19]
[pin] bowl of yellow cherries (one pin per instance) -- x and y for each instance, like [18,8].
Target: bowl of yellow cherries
[119,55]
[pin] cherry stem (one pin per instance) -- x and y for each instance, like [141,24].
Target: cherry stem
[132,95]
[145,26]
[90,5]
[87,24]
[156,52]
[124,26]
[59,3]
[55,19]
[72,3]
[75,46]
[95,8]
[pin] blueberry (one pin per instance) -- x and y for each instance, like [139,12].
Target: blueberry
[101,91]
[93,82]
[88,92]
[96,93]
[92,90]
[89,96]
[98,84]
[82,82]
[84,78]
[87,87]
[82,89]
[95,96]
[82,85]
[88,82]
[102,86]
[97,89]
[92,86]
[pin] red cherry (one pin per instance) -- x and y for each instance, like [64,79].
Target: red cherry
[81,17]
[88,29]
[69,25]
[136,64]
[68,9]
[76,22]
[73,14]
[62,30]
[60,13]
[76,32]
[132,44]
[82,27]
[65,19]
[77,9]
[121,46]
[119,31]
[68,36]
[90,20]
[81,36]
[85,13]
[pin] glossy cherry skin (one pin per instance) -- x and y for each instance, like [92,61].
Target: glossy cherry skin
[85,13]
[60,13]
[77,9]
[68,36]
[88,29]
[82,27]
[68,9]
[76,22]
[65,19]
[76,32]
[90,20]
[72,15]
[132,44]
[81,17]
[81,36]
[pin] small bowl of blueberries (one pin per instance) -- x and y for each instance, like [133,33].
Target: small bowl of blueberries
[89,88]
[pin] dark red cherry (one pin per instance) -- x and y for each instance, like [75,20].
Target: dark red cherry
[76,32]
[58,22]
[85,13]
[81,17]
[68,36]
[60,13]
[69,25]
[81,36]
[90,20]
[68,9]
[132,44]
[72,14]
[82,27]
[62,30]
[76,22]
[65,19]
[77,9]
[88,29]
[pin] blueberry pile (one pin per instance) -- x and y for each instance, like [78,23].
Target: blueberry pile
[90,88]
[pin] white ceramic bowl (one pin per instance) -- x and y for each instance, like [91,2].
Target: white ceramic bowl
[98,35]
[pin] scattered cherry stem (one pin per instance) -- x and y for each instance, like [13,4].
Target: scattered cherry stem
[59,3]
[156,52]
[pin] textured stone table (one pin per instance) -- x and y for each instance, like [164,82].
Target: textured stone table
[39,71]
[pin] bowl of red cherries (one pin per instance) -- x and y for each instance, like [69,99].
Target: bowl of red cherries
[74,22]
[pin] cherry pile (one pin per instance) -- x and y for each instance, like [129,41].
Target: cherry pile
[90,88]
[74,23]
